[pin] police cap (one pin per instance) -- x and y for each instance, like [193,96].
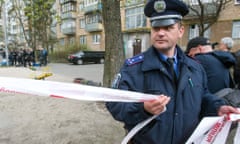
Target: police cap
[165,12]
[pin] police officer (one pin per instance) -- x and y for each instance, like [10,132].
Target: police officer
[164,70]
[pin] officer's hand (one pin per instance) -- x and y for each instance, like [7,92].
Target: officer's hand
[227,109]
[155,107]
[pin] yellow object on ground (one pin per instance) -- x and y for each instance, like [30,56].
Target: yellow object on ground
[43,76]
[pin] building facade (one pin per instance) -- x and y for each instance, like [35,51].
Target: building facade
[14,27]
[81,23]
[228,25]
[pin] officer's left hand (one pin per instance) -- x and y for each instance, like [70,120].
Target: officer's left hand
[227,109]
[155,107]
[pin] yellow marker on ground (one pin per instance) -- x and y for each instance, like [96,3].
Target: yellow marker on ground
[43,76]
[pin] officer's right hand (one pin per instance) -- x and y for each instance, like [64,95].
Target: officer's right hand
[157,106]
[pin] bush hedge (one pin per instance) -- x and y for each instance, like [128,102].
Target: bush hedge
[61,53]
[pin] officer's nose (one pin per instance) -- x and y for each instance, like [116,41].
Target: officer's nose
[161,31]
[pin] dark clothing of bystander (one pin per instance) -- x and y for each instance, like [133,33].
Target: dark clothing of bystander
[216,65]
[236,71]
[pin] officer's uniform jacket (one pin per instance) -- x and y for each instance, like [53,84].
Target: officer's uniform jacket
[190,99]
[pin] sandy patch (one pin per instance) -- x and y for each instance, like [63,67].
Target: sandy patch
[42,120]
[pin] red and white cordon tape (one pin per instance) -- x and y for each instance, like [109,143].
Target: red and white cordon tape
[74,91]
[90,93]
[70,90]
[215,130]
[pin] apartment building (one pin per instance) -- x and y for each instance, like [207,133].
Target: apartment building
[81,23]
[228,24]
[14,28]
[135,27]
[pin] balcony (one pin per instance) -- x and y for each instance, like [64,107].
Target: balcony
[69,30]
[131,3]
[93,27]
[12,32]
[209,9]
[68,27]
[93,7]
[65,1]
[69,15]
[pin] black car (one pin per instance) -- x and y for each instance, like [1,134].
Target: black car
[83,57]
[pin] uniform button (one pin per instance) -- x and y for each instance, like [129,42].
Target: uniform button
[176,114]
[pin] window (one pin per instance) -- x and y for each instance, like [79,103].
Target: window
[82,23]
[71,40]
[135,18]
[194,31]
[133,2]
[90,2]
[83,39]
[14,28]
[94,18]
[68,7]
[68,24]
[61,41]
[236,29]
[96,39]
[81,6]
[195,2]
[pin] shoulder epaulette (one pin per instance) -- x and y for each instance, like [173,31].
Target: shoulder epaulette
[134,60]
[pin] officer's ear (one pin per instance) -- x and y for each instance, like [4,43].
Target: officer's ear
[181,29]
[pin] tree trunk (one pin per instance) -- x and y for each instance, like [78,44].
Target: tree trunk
[114,53]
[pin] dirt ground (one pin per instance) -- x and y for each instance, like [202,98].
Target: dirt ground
[28,119]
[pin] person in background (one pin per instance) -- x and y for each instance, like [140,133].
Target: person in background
[43,53]
[226,44]
[164,70]
[215,63]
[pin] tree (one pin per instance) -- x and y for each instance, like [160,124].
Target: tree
[114,54]
[18,7]
[39,14]
[205,14]
[1,28]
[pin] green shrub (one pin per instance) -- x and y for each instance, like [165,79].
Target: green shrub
[60,54]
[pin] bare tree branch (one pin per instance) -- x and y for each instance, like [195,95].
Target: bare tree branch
[203,13]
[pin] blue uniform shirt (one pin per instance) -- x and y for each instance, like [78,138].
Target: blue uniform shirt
[175,64]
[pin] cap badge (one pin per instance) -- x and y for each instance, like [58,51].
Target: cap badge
[160,6]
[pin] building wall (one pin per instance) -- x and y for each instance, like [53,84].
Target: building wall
[81,31]
[222,28]
[131,35]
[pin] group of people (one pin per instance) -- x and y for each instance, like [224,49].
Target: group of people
[184,86]
[26,57]
[21,57]
[217,63]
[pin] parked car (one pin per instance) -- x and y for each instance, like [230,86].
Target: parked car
[83,57]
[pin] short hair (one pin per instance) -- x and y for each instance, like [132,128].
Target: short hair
[228,42]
